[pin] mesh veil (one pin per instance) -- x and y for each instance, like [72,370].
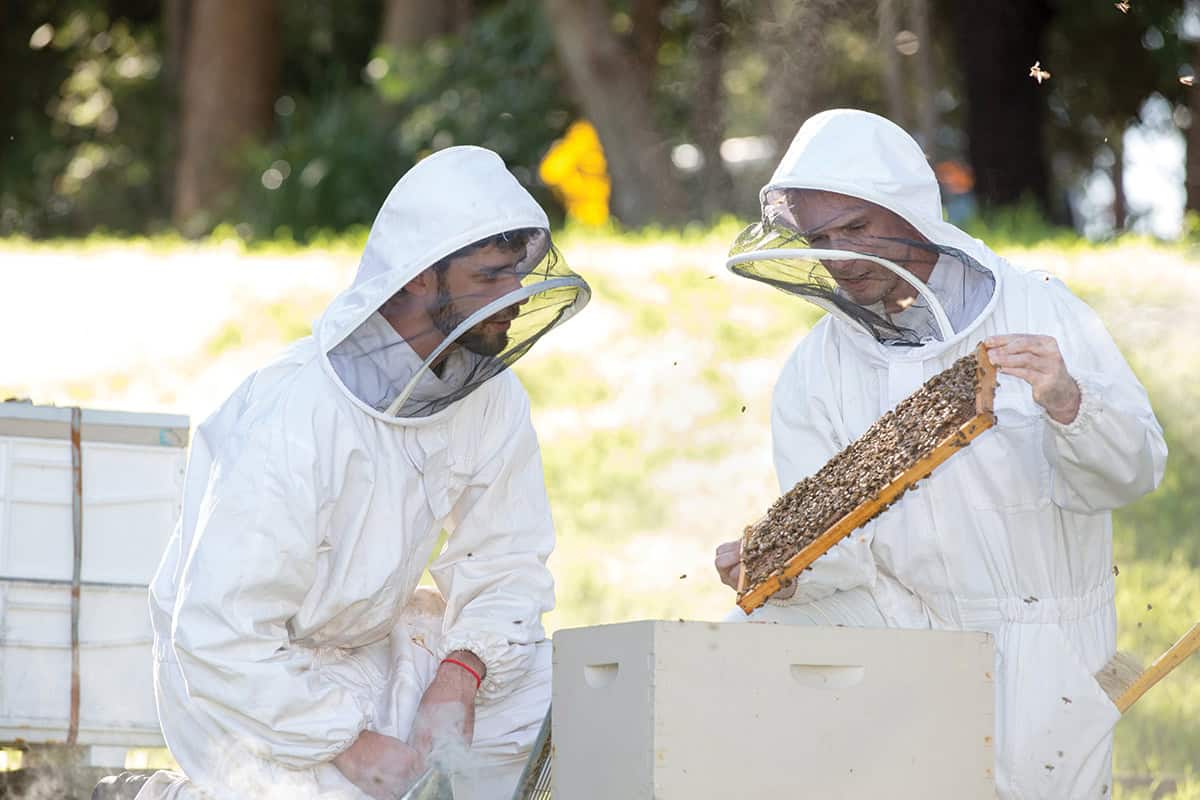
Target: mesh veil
[870,281]
[495,299]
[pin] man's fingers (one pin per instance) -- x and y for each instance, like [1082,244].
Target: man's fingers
[787,591]
[1030,376]
[731,577]
[1014,348]
[1021,342]
[726,560]
[734,546]
[1048,345]
[1026,360]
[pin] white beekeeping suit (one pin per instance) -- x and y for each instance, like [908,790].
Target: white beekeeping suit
[285,610]
[1012,535]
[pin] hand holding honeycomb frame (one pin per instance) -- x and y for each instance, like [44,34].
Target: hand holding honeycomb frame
[859,483]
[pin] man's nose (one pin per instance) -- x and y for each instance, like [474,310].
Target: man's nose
[840,269]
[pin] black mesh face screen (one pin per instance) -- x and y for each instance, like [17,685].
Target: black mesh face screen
[901,291]
[481,310]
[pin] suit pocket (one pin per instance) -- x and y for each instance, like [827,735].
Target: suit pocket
[1009,471]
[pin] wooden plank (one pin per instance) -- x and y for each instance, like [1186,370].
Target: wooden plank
[985,371]
[753,597]
[1176,655]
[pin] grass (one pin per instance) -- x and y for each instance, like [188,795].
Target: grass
[656,442]
[281,322]
[598,483]
[561,380]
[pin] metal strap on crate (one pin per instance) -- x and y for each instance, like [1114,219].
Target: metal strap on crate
[76,565]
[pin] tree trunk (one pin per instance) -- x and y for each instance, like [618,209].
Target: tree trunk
[175,17]
[1120,208]
[927,122]
[708,118]
[409,23]
[1192,179]
[792,33]
[997,45]
[231,69]
[464,15]
[893,77]
[616,97]
[646,16]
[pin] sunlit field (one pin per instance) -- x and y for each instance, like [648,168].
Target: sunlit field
[652,406]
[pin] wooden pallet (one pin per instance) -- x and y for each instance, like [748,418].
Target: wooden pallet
[751,597]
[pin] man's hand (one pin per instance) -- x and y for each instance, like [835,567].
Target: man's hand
[1038,361]
[729,566]
[729,562]
[446,716]
[383,767]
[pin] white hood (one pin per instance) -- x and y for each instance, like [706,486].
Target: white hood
[452,199]
[863,155]
[447,201]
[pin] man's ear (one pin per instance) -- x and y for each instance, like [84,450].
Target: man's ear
[423,285]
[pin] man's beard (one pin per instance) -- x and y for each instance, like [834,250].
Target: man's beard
[479,340]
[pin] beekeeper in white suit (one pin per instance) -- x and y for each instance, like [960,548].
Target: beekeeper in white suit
[295,657]
[1011,536]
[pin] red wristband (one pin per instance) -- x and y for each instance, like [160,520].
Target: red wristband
[474,674]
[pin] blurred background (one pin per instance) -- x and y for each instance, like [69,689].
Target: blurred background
[184,185]
[290,120]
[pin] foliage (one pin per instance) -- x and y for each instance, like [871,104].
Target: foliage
[1105,65]
[338,152]
[90,121]
[88,137]
[1022,226]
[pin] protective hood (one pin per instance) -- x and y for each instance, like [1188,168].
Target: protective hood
[495,285]
[898,288]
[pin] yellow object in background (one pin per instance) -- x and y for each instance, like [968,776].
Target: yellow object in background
[575,169]
[10,760]
[150,758]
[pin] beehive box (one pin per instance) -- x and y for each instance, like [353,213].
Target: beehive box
[686,710]
[131,478]
[903,447]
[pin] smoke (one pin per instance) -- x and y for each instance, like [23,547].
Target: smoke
[51,785]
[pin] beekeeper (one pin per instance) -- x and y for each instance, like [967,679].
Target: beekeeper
[295,656]
[1011,536]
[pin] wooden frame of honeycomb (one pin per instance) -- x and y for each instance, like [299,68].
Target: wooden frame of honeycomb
[754,590]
